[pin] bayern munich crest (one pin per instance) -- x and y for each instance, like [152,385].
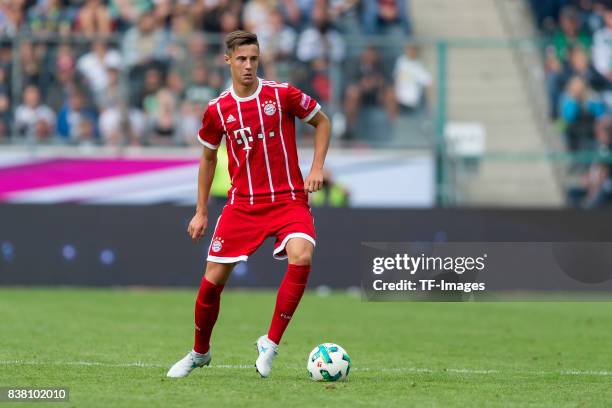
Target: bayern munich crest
[217,244]
[269,107]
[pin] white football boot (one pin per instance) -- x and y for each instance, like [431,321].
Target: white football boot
[187,364]
[267,350]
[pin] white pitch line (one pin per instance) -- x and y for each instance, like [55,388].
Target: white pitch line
[603,373]
[80,363]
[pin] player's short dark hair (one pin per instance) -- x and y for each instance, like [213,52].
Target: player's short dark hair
[238,38]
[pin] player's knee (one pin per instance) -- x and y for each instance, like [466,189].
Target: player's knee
[299,252]
[217,273]
[303,257]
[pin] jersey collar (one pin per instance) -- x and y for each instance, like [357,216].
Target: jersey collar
[250,97]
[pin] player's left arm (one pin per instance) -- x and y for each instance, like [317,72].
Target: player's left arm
[322,125]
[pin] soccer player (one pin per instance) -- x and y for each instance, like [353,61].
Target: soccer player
[267,198]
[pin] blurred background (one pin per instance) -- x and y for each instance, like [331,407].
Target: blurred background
[436,104]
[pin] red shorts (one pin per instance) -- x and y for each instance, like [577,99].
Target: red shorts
[242,228]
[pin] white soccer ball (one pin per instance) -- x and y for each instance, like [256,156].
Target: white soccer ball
[328,362]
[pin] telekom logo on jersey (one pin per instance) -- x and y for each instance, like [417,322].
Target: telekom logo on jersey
[244,136]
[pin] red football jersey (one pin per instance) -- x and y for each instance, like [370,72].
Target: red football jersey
[260,138]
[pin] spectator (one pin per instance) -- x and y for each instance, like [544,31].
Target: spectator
[201,88]
[6,53]
[163,117]
[181,28]
[196,52]
[577,65]
[368,87]
[144,46]
[5,117]
[153,82]
[32,119]
[595,187]
[11,16]
[569,34]
[93,66]
[179,37]
[162,9]
[183,8]
[345,15]
[159,105]
[592,15]
[602,47]
[66,80]
[579,109]
[319,82]
[127,13]
[281,38]
[144,43]
[304,11]
[94,18]
[176,84]
[208,14]
[189,123]
[49,17]
[31,59]
[121,125]
[111,95]
[87,132]
[4,83]
[5,106]
[385,17]
[567,37]
[546,11]
[75,121]
[277,47]
[256,17]
[411,80]
[291,13]
[603,133]
[320,40]
[229,21]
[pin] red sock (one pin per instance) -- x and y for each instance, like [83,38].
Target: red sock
[206,312]
[289,294]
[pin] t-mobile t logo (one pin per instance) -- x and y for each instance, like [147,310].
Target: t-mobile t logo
[243,135]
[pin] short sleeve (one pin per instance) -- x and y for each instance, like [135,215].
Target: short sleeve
[210,133]
[300,104]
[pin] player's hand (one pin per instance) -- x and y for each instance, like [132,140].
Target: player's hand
[197,226]
[314,181]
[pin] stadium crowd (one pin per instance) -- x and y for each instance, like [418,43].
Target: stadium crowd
[140,72]
[578,66]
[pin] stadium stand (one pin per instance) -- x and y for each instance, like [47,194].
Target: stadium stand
[139,72]
[142,71]
[578,71]
[485,85]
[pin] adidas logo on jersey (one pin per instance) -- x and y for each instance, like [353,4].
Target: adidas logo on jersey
[230,119]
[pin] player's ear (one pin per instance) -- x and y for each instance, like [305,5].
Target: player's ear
[226,57]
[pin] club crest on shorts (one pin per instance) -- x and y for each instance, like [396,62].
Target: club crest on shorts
[269,107]
[217,244]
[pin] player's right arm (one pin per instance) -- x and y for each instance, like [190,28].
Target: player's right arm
[206,173]
[210,136]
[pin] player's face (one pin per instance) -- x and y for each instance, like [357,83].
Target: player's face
[243,62]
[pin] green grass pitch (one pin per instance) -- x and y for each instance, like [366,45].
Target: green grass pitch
[112,348]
